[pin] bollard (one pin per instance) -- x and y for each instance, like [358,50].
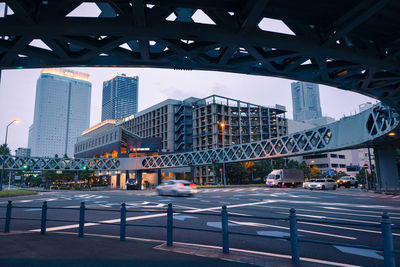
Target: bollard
[387,241]
[293,237]
[81,219]
[122,225]
[8,217]
[169,225]
[225,234]
[44,218]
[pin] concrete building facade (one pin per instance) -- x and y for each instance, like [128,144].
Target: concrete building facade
[23,152]
[62,112]
[243,123]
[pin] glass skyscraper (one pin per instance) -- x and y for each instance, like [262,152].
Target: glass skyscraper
[120,97]
[62,112]
[306,103]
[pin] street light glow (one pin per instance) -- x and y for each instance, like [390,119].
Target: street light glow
[17,121]
[222,124]
[392,134]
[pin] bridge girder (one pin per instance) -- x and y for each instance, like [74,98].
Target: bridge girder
[350,132]
[348,44]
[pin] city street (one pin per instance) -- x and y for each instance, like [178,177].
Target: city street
[351,205]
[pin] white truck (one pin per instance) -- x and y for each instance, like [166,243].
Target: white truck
[285,178]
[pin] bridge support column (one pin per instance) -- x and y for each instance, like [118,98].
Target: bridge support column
[139,178]
[159,177]
[386,167]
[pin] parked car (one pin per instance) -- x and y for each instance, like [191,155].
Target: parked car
[132,184]
[307,183]
[323,184]
[347,181]
[176,188]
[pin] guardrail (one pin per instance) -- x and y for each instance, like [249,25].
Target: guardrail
[385,226]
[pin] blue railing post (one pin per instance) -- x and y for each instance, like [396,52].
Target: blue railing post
[8,217]
[387,240]
[122,225]
[81,219]
[293,237]
[44,218]
[169,225]
[225,234]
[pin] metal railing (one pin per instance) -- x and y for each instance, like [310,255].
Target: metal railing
[386,227]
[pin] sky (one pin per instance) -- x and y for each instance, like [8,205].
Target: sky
[18,89]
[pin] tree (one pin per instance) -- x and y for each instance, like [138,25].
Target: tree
[292,164]
[307,170]
[4,148]
[315,172]
[262,168]
[339,174]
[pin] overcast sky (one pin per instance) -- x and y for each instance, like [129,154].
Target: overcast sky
[18,88]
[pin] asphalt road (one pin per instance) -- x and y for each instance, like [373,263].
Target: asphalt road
[347,205]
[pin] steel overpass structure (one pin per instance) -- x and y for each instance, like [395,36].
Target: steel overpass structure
[349,44]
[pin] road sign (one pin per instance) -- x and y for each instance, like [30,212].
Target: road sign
[365,166]
[17,177]
[330,172]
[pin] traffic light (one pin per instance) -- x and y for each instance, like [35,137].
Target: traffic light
[84,168]
[25,167]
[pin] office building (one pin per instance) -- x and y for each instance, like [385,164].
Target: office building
[193,124]
[23,152]
[106,140]
[120,97]
[171,120]
[62,112]
[244,122]
[306,102]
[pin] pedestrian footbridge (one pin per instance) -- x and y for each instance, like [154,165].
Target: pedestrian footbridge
[355,131]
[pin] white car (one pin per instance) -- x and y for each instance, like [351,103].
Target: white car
[307,183]
[176,188]
[323,184]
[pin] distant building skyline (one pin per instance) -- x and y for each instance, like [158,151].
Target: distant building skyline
[120,97]
[306,101]
[62,112]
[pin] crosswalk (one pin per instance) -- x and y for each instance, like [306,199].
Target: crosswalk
[213,190]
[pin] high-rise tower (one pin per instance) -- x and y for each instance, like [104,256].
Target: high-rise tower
[306,103]
[120,97]
[62,112]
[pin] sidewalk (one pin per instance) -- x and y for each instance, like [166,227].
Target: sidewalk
[64,249]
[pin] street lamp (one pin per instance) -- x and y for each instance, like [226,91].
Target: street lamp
[135,149]
[4,155]
[223,152]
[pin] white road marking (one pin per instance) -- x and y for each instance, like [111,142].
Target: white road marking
[274,234]
[365,211]
[24,201]
[346,228]
[287,228]
[282,256]
[72,226]
[361,252]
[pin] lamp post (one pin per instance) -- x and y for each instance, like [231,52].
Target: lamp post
[223,152]
[4,155]
[135,149]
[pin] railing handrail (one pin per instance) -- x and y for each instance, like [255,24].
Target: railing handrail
[385,225]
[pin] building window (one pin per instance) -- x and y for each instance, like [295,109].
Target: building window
[342,165]
[319,156]
[333,155]
[342,156]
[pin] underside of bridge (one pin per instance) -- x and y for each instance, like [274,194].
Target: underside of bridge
[349,44]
